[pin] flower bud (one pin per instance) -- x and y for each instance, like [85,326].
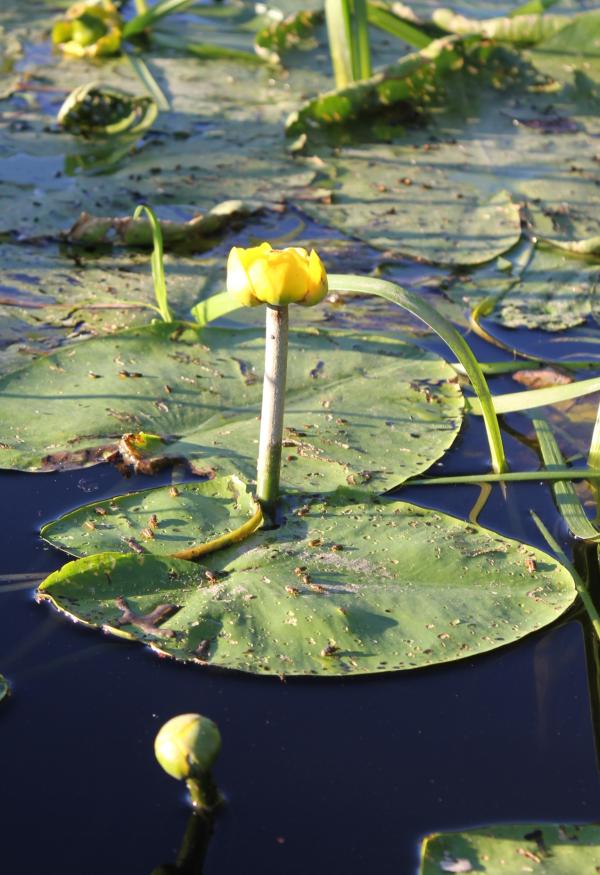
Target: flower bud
[263,275]
[89,30]
[187,746]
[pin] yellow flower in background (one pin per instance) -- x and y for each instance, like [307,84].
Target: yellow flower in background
[90,30]
[263,275]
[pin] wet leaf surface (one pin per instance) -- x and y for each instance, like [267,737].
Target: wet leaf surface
[360,408]
[349,584]
[162,521]
[548,848]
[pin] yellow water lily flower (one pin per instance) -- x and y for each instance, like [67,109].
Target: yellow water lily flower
[90,29]
[263,275]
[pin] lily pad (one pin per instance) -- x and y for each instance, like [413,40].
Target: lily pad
[4,687]
[552,292]
[164,521]
[348,585]
[360,408]
[549,848]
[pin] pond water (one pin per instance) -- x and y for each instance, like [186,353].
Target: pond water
[338,776]
[319,775]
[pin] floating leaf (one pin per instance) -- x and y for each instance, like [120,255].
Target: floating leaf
[94,110]
[551,848]
[360,408]
[349,584]
[163,521]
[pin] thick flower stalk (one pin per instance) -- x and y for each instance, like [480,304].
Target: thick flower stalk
[89,30]
[275,277]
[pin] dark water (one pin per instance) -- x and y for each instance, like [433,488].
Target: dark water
[321,776]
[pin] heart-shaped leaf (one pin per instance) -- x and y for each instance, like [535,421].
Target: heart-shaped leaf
[361,408]
[348,585]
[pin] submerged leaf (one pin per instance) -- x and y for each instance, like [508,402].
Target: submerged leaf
[349,584]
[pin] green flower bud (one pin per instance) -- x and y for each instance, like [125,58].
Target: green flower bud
[187,746]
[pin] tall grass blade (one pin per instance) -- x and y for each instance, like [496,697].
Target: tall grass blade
[515,401]
[363,68]
[567,500]
[154,14]
[384,19]
[157,262]
[461,349]
[510,477]
[339,33]
[144,74]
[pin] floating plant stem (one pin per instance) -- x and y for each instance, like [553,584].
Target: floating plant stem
[273,405]
[157,262]
[461,349]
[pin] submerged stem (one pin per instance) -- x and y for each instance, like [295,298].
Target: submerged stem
[203,792]
[273,404]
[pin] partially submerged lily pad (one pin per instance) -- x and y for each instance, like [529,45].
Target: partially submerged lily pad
[348,585]
[163,521]
[497,850]
[360,408]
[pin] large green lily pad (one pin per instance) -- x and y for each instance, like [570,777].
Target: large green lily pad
[164,520]
[360,408]
[551,849]
[552,292]
[348,585]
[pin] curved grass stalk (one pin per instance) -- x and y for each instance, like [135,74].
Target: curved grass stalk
[154,14]
[144,74]
[567,500]
[510,477]
[234,537]
[461,349]
[157,262]
[512,402]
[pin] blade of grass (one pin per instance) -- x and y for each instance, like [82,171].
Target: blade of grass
[144,74]
[567,500]
[509,367]
[363,69]
[511,477]
[204,50]
[154,14]
[461,349]
[339,33]
[384,19]
[514,401]
[594,461]
[579,584]
[213,308]
[157,262]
